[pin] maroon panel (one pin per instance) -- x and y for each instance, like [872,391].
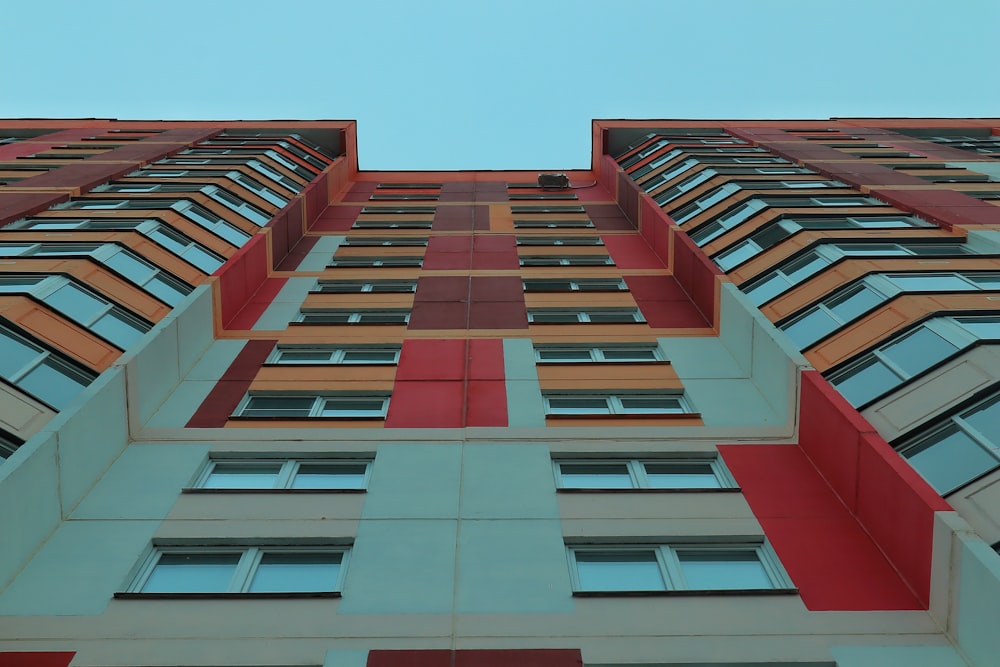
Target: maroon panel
[279,236]
[442,288]
[609,174]
[457,191]
[495,261]
[629,196]
[220,403]
[259,301]
[185,135]
[631,252]
[363,187]
[16,205]
[486,359]
[447,261]
[427,404]
[672,314]
[655,288]
[593,191]
[494,243]
[453,218]
[491,191]
[139,152]
[944,207]
[294,230]
[498,315]
[438,244]
[410,658]
[860,175]
[316,197]
[481,218]
[497,288]
[518,658]
[336,219]
[298,253]
[608,217]
[36,658]
[425,359]
[439,315]
[83,175]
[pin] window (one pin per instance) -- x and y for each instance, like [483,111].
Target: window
[298,406]
[959,449]
[611,353]
[566,240]
[688,183]
[676,567]
[910,354]
[664,176]
[680,473]
[373,262]
[308,355]
[80,305]
[578,285]
[705,202]
[284,474]
[553,224]
[210,221]
[591,315]
[800,268]
[399,241]
[346,316]
[39,372]
[625,403]
[392,224]
[728,220]
[123,261]
[242,570]
[359,286]
[546,209]
[566,260]
[398,210]
[8,444]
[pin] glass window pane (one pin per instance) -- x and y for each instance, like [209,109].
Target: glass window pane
[681,476]
[554,318]
[626,354]
[279,406]
[362,407]
[949,458]
[53,383]
[132,268]
[330,476]
[930,283]
[766,289]
[595,476]
[612,317]
[305,356]
[564,354]
[76,303]
[15,353]
[868,380]
[722,570]
[854,302]
[119,330]
[986,328]
[918,351]
[192,573]
[370,356]
[810,327]
[619,571]
[578,405]
[986,420]
[243,476]
[803,267]
[650,404]
[296,573]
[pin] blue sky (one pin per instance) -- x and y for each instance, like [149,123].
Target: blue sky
[496,85]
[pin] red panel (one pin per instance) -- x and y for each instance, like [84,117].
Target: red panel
[518,658]
[425,658]
[594,192]
[426,405]
[16,205]
[439,244]
[672,315]
[336,219]
[439,315]
[494,243]
[316,197]
[944,207]
[247,363]
[497,288]
[655,288]
[279,236]
[184,135]
[447,261]
[36,658]
[140,152]
[432,360]
[481,216]
[486,359]
[83,175]
[609,176]
[630,251]
[825,551]
[298,253]
[495,261]
[258,303]
[442,288]
[230,389]
[487,403]
[629,196]
[498,315]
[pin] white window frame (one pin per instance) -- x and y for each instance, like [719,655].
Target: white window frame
[338,355]
[354,316]
[365,286]
[565,260]
[318,406]
[598,353]
[245,570]
[404,241]
[689,183]
[560,241]
[389,262]
[287,469]
[586,316]
[206,219]
[392,224]
[639,477]
[613,403]
[552,224]
[671,572]
[43,357]
[576,285]
[727,221]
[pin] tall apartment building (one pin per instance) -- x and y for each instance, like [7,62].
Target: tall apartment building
[729,397]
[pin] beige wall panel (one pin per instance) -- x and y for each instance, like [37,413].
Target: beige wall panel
[332,373]
[21,415]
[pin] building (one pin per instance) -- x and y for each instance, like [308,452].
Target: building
[729,399]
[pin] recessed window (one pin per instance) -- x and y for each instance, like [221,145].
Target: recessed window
[591,315]
[392,224]
[553,224]
[611,353]
[374,262]
[345,316]
[406,241]
[308,355]
[686,473]
[566,260]
[578,285]
[676,567]
[360,286]
[559,240]
[297,406]
[242,570]
[556,209]
[39,372]
[620,403]
[255,474]
[958,449]
[398,210]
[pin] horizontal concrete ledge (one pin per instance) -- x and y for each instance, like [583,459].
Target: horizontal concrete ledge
[225,596]
[693,593]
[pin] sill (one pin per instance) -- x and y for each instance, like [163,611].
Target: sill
[347,324]
[575,362]
[562,324]
[612,417]
[710,489]
[742,592]
[225,596]
[199,491]
[276,364]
